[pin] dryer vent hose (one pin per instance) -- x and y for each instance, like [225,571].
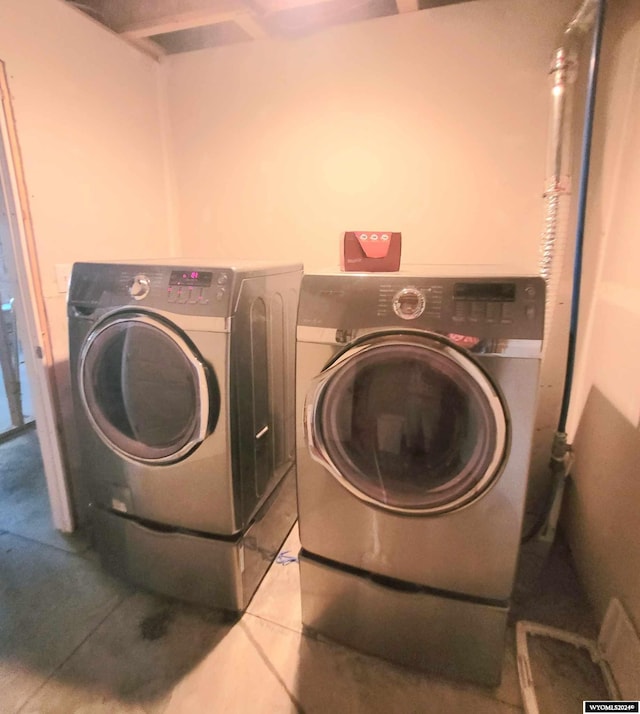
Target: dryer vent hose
[558,188]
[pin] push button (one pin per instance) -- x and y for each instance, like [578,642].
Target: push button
[478,311]
[508,311]
[493,311]
[183,296]
[459,311]
[194,295]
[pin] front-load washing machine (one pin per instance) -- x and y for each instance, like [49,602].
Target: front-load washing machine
[416,402]
[183,376]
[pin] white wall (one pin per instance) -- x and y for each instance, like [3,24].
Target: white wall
[431,123]
[602,518]
[87,112]
[87,109]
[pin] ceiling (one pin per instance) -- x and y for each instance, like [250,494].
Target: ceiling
[162,27]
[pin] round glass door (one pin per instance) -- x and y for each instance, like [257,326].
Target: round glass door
[409,422]
[146,390]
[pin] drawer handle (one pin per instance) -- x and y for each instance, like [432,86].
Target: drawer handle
[262,432]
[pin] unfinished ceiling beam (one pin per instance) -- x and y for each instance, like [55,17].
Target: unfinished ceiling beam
[407,5]
[148,46]
[250,25]
[268,6]
[178,21]
[161,27]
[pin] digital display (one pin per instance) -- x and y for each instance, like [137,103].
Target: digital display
[194,278]
[499,292]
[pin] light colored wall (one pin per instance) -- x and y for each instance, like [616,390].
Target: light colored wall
[601,517]
[87,109]
[432,123]
[87,113]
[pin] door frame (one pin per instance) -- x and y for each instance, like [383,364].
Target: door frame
[20,249]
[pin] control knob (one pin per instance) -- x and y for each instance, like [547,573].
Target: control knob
[409,303]
[139,287]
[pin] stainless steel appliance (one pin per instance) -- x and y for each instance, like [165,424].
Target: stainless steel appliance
[183,375]
[416,400]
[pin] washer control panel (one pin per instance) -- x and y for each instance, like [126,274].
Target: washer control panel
[502,307]
[464,302]
[493,302]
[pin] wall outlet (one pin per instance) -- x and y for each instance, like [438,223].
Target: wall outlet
[63,276]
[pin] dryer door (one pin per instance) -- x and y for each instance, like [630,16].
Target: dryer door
[146,390]
[409,422]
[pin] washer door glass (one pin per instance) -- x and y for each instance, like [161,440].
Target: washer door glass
[145,389]
[408,422]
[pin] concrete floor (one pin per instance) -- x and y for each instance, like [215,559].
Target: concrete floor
[75,641]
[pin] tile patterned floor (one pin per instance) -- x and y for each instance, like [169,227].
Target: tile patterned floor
[75,641]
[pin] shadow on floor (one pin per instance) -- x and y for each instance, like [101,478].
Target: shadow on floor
[70,633]
[547,589]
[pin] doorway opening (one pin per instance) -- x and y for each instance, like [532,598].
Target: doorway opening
[25,346]
[16,410]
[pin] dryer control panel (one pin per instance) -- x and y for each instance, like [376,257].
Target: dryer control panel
[198,287]
[191,290]
[501,308]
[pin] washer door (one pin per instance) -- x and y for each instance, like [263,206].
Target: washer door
[145,389]
[409,422]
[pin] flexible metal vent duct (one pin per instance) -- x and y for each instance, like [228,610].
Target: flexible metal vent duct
[563,73]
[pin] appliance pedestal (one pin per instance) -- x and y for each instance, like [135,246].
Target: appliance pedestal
[426,630]
[220,572]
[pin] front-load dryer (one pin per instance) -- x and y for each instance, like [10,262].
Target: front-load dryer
[183,376]
[416,401]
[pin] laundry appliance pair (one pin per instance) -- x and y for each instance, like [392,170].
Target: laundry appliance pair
[182,374]
[416,397]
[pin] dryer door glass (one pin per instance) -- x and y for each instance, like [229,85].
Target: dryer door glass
[144,389]
[411,423]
